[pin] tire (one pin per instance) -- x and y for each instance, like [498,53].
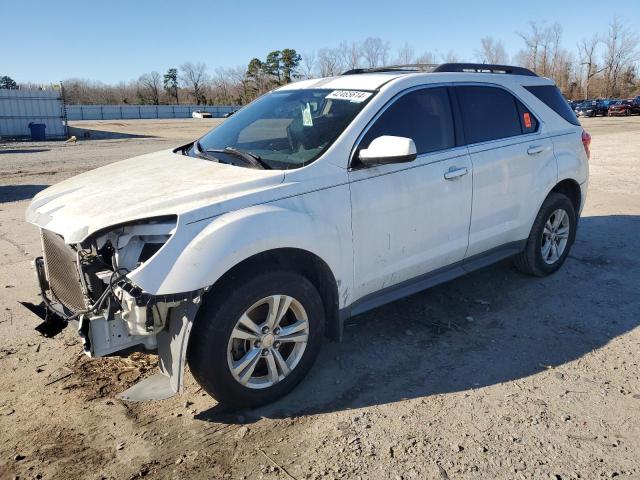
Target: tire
[212,351]
[532,260]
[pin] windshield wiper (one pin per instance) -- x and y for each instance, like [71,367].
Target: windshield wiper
[248,157]
[200,153]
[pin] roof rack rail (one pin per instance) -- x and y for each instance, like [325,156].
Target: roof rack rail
[446,67]
[484,68]
[409,67]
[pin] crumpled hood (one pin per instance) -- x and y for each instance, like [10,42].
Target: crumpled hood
[161,183]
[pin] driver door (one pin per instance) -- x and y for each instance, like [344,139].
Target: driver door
[409,219]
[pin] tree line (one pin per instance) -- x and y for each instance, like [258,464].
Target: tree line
[603,65]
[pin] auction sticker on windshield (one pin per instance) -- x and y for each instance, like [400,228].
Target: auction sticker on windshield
[354,96]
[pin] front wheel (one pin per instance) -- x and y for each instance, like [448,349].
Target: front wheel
[551,237]
[256,337]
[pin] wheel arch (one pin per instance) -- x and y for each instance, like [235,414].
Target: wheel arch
[300,261]
[570,188]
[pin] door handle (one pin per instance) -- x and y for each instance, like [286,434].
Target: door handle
[454,172]
[535,149]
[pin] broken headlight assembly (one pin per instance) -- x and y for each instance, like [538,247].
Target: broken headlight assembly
[127,247]
[123,249]
[113,312]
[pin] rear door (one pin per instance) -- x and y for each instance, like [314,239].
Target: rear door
[513,166]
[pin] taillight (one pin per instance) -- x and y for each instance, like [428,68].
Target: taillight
[586,142]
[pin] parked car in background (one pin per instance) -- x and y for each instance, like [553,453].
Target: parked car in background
[585,109]
[593,108]
[573,104]
[624,107]
[201,114]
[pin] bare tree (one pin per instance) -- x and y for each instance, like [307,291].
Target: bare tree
[375,52]
[308,65]
[450,57]
[238,79]
[350,54]
[406,55]
[329,62]
[529,57]
[150,87]
[221,86]
[621,52]
[557,53]
[426,58]
[492,51]
[543,53]
[124,92]
[588,57]
[604,65]
[194,77]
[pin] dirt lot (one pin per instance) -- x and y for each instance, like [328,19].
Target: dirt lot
[495,375]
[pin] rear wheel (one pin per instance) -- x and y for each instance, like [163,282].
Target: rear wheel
[551,237]
[256,338]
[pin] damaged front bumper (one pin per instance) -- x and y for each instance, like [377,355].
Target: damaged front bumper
[131,317]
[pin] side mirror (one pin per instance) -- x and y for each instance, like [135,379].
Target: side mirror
[388,149]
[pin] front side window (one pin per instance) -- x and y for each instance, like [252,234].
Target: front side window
[286,129]
[423,115]
[490,113]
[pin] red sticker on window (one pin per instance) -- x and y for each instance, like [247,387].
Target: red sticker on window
[527,119]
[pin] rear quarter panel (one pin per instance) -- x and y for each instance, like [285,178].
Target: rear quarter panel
[571,157]
[568,150]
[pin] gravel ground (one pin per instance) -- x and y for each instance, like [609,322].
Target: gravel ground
[495,375]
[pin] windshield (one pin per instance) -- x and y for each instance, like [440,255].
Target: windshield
[290,128]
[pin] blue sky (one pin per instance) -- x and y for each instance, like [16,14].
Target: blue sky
[47,41]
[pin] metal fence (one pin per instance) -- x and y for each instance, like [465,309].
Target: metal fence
[125,112]
[18,108]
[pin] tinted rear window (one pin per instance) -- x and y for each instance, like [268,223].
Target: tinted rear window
[488,113]
[552,98]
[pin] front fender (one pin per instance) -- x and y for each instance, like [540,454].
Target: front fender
[201,252]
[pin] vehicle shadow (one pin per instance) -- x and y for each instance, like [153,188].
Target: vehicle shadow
[15,193]
[23,150]
[92,134]
[495,325]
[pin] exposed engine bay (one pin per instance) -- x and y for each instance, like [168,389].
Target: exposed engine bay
[86,284]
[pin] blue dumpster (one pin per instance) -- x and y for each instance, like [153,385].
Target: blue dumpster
[37,131]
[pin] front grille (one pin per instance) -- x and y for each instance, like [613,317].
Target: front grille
[62,271]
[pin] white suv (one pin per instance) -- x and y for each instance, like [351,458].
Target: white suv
[323,199]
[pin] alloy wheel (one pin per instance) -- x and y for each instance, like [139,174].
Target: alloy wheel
[555,236]
[268,341]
